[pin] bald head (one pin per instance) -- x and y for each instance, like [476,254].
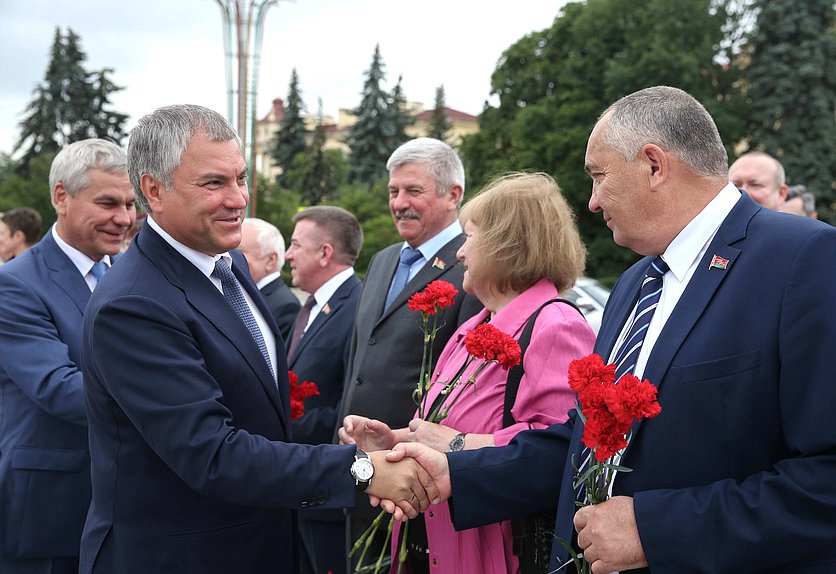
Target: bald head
[762,177]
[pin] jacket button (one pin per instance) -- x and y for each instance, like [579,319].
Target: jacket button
[372,340]
[304,504]
[320,499]
[358,381]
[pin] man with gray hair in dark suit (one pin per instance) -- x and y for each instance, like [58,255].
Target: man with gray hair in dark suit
[426,187]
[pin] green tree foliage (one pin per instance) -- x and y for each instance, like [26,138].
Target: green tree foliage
[71,104]
[790,83]
[370,138]
[439,122]
[553,84]
[29,189]
[318,172]
[289,140]
[399,116]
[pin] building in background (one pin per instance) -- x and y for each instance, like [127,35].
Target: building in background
[336,131]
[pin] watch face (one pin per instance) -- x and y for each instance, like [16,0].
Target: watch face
[457,443]
[362,470]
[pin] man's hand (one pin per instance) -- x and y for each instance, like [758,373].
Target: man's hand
[609,537]
[408,486]
[433,435]
[368,434]
[432,461]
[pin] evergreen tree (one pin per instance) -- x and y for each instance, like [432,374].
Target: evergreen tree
[370,138]
[323,171]
[791,86]
[71,104]
[400,116]
[439,122]
[553,84]
[289,140]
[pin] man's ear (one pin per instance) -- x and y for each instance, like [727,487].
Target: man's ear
[59,198]
[455,193]
[658,163]
[327,254]
[272,264]
[152,189]
[782,193]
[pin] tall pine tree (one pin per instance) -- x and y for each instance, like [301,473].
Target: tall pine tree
[400,116]
[289,140]
[324,170]
[439,122]
[370,138]
[791,86]
[71,104]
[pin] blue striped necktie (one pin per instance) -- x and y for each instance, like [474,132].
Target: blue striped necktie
[235,297]
[98,270]
[628,352]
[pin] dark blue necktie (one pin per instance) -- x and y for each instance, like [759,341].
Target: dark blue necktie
[235,297]
[408,257]
[628,352]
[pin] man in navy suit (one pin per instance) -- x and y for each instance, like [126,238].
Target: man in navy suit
[738,472]
[44,460]
[186,394]
[263,246]
[324,246]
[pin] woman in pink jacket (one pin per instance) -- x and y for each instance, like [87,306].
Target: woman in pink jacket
[522,249]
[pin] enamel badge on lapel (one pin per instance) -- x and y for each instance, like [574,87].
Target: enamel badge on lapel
[326,309]
[718,262]
[439,264]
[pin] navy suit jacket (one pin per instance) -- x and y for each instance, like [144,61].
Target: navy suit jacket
[283,305]
[44,460]
[190,470]
[322,357]
[738,472]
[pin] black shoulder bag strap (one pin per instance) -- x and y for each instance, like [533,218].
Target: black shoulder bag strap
[532,534]
[516,373]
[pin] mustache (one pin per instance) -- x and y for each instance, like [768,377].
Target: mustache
[407,213]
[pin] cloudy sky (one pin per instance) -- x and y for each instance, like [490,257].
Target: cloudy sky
[171,51]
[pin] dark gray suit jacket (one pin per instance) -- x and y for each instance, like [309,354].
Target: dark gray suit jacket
[283,305]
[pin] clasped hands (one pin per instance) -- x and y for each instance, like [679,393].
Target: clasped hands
[408,476]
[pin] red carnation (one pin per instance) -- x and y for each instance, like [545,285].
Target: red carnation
[590,371]
[632,399]
[435,296]
[298,394]
[489,343]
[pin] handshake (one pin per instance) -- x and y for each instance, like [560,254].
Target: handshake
[408,475]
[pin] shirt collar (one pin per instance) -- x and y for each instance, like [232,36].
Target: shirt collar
[267,279]
[327,289]
[434,244]
[693,240]
[205,263]
[79,259]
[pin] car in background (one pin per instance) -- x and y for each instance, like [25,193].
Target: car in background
[591,297]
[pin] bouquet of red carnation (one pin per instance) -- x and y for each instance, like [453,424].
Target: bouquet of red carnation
[298,393]
[608,409]
[485,342]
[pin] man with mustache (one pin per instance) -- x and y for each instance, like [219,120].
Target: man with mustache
[186,387]
[44,459]
[426,186]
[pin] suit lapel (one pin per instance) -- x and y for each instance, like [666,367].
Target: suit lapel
[64,273]
[439,264]
[334,304]
[210,303]
[699,292]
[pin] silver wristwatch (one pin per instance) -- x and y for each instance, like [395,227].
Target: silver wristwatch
[362,470]
[457,442]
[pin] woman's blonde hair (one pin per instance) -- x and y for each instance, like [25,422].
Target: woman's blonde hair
[528,231]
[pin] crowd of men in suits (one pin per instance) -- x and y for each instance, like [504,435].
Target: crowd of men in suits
[144,412]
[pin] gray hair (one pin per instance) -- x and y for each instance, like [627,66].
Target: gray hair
[159,139]
[442,163]
[74,161]
[268,237]
[808,200]
[671,119]
[340,226]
